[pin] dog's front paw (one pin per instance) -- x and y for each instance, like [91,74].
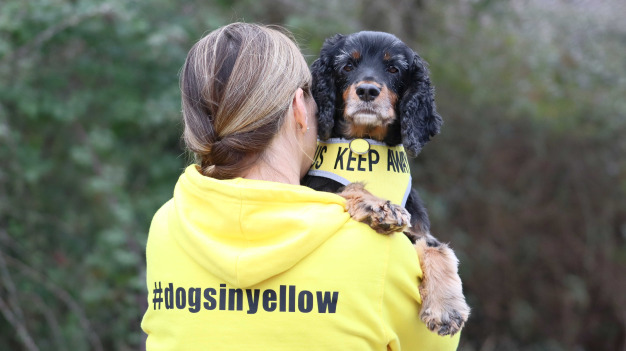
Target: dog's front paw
[444,309]
[383,216]
[387,218]
[444,320]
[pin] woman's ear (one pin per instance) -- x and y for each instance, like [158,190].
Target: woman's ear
[418,114]
[323,87]
[300,113]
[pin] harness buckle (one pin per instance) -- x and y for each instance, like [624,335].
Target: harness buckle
[359,146]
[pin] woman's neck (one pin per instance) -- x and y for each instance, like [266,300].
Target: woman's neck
[280,163]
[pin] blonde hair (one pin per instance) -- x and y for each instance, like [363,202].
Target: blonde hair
[237,85]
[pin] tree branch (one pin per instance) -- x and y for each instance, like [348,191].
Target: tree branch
[19,327]
[63,296]
[50,319]
[10,286]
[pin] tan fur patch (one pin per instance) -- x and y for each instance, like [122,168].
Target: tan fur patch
[356,55]
[347,92]
[393,97]
[388,95]
[387,56]
[352,130]
[444,309]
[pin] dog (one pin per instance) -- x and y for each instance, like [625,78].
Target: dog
[371,86]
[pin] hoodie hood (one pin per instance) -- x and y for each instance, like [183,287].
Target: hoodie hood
[246,231]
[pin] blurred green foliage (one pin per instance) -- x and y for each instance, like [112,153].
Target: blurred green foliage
[527,180]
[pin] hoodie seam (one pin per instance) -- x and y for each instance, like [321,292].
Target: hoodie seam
[243,234]
[382,292]
[224,198]
[316,196]
[296,202]
[304,191]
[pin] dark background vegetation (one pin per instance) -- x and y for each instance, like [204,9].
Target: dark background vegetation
[527,180]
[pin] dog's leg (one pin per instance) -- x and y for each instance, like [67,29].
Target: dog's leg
[380,214]
[444,309]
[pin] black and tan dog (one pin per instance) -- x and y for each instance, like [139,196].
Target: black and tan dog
[370,85]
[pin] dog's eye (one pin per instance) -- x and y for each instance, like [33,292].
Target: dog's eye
[392,70]
[348,67]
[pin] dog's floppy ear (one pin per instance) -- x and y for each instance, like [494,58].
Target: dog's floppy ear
[323,87]
[418,114]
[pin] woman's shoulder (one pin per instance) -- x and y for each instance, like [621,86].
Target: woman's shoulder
[160,217]
[159,224]
[397,246]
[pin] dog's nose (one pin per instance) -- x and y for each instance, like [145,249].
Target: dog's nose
[367,92]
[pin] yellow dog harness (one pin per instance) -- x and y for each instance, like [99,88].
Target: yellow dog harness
[384,169]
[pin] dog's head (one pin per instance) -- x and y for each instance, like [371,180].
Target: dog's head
[371,82]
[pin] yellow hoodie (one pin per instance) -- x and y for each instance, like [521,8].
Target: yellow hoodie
[252,265]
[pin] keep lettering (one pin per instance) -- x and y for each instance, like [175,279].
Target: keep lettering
[346,160]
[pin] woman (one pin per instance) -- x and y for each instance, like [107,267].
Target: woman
[243,257]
